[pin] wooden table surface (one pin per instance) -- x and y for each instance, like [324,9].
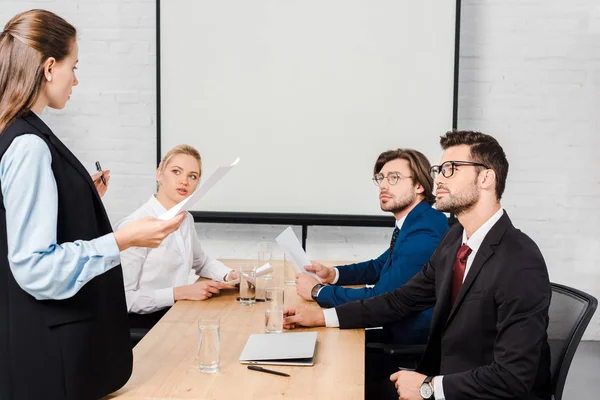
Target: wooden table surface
[165,364]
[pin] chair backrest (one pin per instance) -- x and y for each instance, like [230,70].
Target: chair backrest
[570,312]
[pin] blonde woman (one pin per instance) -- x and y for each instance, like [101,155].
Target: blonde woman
[156,278]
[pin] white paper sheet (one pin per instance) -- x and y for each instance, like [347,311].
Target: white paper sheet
[262,270]
[289,242]
[190,201]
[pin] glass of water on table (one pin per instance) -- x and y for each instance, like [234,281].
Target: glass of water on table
[248,285]
[274,310]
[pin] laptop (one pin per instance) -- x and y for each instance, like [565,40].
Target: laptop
[296,348]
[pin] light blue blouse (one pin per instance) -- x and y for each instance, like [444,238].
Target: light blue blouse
[41,266]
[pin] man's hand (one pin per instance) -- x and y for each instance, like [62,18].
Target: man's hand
[200,290]
[408,384]
[294,316]
[304,285]
[326,274]
[100,186]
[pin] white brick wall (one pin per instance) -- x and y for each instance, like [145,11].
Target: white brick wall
[112,113]
[530,75]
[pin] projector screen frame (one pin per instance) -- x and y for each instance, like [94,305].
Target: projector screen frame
[301,219]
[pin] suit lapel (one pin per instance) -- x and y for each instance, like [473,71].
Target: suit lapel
[412,216]
[483,254]
[442,308]
[34,120]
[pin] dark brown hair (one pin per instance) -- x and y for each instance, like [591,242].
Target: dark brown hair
[26,42]
[419,166]
[484,149]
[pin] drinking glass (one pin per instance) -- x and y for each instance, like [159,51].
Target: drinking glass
[209,343]
[248,285]
[274,310]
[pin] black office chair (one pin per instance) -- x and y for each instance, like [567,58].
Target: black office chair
[136,335]
[570,313]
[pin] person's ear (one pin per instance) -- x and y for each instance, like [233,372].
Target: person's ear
[158,176]
[49,68]
[419,188]
[488,179]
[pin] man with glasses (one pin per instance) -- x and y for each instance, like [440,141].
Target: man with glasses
[405,190]
[488,282]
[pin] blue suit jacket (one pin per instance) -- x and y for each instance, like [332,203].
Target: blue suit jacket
[420,234]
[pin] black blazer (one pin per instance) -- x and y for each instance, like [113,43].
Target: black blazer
[492,343]
[78,348]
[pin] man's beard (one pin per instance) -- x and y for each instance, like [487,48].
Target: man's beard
[458,203]
[399,205]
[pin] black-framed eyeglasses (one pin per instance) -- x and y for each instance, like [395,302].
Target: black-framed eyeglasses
[447,168]
[392,178]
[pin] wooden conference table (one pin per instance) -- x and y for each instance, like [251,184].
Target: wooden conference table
[165,366]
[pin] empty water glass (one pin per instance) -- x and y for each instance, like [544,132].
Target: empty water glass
[209,344]
[274,310]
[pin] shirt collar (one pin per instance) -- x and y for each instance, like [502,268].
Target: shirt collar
[155,206]
[400,222]
[474,242]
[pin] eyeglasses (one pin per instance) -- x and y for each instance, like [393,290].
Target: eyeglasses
[392,178]
[447,168]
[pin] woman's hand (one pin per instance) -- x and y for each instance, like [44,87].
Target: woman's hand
[147,232]
[200,290]
[100,186]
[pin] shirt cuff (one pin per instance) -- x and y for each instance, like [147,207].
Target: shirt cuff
[438,388]
[226,277]
[337,276]
[331,318]
[164,297]
[107,246]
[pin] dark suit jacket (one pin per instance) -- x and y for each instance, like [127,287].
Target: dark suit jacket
[421,232]
[492,343]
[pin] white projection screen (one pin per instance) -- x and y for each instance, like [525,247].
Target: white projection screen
[307,93]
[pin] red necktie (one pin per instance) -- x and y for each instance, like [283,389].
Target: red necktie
[458,271]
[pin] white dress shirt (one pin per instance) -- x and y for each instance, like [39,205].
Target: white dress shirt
[331,318]
[151,274]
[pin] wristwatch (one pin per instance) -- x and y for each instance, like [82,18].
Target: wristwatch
[426,390]
[315,291]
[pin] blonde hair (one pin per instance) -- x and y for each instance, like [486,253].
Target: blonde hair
[26,42]
[179,149]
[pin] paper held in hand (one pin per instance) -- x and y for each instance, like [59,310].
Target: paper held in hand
[289,242]
[189,202]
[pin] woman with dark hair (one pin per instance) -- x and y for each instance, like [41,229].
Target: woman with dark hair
[63,319]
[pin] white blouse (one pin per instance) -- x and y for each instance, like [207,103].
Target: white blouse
[151,274]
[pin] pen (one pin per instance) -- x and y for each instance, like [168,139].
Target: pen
[99,169]
[268,371]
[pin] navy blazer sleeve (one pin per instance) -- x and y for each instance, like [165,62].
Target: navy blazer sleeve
[362,273]
[409,257]
[417,295]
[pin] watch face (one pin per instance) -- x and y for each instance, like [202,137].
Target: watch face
[426,391]
[315,291]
